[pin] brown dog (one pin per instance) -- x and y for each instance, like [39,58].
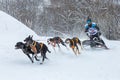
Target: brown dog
[73,44]
[55,40]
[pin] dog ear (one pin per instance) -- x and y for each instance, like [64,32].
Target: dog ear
[31,36]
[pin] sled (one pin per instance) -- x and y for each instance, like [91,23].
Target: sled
[95,43]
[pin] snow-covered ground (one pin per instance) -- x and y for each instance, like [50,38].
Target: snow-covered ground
[91,64]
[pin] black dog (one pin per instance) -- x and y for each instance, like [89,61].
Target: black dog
[26,49]
[73,44]
[37,47]
[55,40]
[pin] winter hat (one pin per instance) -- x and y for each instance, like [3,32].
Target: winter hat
[88,20]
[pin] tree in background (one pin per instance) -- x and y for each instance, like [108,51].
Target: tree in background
[65,17]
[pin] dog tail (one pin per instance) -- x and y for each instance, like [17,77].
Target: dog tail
[63,43]
[48,50]
[80,43]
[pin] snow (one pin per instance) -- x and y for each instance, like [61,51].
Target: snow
[47,2]
[91,64]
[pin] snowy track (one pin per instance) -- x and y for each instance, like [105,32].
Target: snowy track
[97,64]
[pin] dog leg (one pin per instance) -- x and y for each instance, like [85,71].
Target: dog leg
[43,57]
[63,43]
[54,49]
[30,58]
[77,49]
[33,56]
[58,45]
[81,46]
[74,51]
[36,58]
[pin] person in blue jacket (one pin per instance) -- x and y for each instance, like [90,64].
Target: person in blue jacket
[92,29]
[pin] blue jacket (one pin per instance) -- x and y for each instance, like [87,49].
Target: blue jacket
[92,29]
[94,25]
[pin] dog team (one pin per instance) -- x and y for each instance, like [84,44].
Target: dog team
[33,47]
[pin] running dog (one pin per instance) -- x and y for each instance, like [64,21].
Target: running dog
[37,48]
[73,44]
[55,40]
[26,50]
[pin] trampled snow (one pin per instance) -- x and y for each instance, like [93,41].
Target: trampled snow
[91,64]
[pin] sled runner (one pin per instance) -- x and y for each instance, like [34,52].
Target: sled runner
[95,43]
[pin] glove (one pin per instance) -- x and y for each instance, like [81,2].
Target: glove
[87,34]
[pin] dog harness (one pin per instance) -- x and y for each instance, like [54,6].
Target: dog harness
[41,45]
[76,40]
[72,45]
[33,47]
